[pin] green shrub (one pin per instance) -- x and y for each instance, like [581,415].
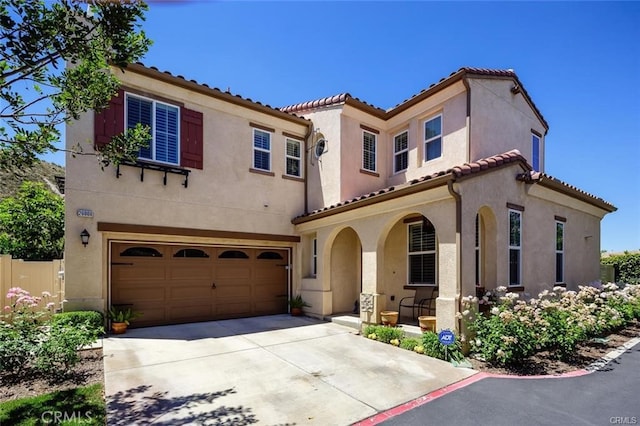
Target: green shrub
[558,320]
[31,340]
[92,319]
[435,349]
[409,343]
[626,266]
[383,333]
[59,351]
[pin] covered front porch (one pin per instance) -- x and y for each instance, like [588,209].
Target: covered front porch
[367,260]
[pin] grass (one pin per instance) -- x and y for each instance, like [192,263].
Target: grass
[83,405]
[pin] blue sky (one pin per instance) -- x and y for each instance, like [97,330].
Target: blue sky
[579,61]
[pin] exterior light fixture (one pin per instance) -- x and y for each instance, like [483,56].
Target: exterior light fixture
[84,237]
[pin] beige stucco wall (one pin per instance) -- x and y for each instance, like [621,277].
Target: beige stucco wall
[501,121]
[323,174]
[541,205]
[224,195]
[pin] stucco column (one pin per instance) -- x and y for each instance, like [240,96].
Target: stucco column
[371,300]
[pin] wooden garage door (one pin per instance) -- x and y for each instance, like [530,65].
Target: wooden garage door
[177,284]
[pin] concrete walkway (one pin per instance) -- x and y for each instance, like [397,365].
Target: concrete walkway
[274,370]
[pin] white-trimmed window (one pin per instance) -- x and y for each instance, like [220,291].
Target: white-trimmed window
[559,252]
[422,253]
[433,138]
[401,152]
[314,257]
[163,120]
[535,152]
[369,142]
[515,248]
[478,252]
[261,150]
[293,158]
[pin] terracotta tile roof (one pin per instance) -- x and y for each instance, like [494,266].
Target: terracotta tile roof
[346,98]
[341,98]
[179,80]
[440,178]
[419,184]
[559,185]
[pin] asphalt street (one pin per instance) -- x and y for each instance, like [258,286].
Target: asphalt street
[605,397]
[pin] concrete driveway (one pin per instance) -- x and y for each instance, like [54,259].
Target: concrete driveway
[272,370]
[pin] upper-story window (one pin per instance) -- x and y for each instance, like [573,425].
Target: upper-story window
[401,152]
[293,158]
[433,138]
[535,152]
[369,151]
[261,150]
[163,120]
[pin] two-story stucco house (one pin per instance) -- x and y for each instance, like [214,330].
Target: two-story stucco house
[236,206]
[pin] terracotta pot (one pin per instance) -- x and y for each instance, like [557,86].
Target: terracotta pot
[427,323]
[296,312]
[389,318]
[119,327]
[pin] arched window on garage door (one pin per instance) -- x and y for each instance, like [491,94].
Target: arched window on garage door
[270,255]
[141,252]
[192,253]
[233,254]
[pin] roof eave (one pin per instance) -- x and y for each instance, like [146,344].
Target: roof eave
[212,92]
[556,185]
[389,194]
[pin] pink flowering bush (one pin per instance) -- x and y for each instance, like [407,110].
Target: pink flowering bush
[30,341]
[558,320]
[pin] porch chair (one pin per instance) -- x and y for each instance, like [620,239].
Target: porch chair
[423,298]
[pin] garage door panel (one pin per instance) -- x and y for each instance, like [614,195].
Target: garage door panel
[191,311]
[139,272]
[195,271]
[233,272]
[179,283]
[132,294]
[193,291]
[233,292]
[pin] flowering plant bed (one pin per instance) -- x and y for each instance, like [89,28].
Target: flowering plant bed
[555,325]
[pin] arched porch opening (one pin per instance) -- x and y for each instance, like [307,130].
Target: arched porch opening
[410,264]
[346,271]
[485,248]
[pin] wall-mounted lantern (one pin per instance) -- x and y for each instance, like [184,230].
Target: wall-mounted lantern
[84,237]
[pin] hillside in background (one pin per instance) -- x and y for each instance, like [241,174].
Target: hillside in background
[10,180]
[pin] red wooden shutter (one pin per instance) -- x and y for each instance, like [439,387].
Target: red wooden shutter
[110,121]
[191,134]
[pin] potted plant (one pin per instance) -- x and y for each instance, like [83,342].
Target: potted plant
[296,304]
[389,318]
[120,318]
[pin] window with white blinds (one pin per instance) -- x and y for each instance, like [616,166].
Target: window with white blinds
[293,158]
[369,151]
[422,253]
[163,121]
[400,152]
[261,150]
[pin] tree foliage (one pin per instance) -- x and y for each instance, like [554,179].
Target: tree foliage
[39,93]
[32,224]
[626,266]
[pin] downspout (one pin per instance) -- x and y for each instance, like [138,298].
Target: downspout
[465,81]
[306,167]
[457,197]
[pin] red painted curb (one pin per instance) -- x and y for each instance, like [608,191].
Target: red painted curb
[407,406]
